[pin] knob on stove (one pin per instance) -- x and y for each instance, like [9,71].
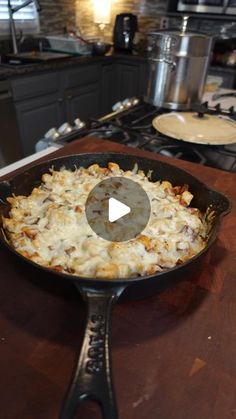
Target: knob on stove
[125,104]
[135,101]
[79,124]
[118,106]
[52,134]
[64,128]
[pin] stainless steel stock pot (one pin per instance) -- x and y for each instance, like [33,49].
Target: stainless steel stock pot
[178,64]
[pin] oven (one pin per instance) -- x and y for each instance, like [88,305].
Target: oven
[220,7]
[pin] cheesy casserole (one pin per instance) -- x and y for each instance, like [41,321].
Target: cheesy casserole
[50,228]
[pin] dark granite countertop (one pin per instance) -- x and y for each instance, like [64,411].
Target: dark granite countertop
[8,72]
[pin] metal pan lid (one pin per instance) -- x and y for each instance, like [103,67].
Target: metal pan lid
[188,126]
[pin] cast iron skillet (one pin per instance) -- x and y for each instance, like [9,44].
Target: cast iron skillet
[92,378]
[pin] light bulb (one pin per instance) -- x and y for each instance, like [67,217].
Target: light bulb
[102,11]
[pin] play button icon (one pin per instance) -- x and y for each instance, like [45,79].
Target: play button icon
[117,209]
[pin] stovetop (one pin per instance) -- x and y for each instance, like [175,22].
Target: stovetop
[131,124]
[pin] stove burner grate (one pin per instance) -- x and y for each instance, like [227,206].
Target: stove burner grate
[133,127]
[191,154]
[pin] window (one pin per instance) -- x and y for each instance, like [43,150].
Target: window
[25,19]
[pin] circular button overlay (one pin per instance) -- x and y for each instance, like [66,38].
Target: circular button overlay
[118,209]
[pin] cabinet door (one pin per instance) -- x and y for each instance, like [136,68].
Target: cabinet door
[108,97]
[33,86]
[128,81]
[37,116]
[83,103]
[143,75]
[131,80]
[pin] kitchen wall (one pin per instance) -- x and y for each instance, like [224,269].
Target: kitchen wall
[148,12]
[58,14]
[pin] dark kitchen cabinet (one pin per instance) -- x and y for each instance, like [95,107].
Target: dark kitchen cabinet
[131,79]
[82,92]
[128,80]
[30,87]
[83,103]
[122,80]
[35,117]
[10,149]
[47,100]
[108,91]
[39,106]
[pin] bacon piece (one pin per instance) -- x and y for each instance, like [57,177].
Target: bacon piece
[70,250]
[78,208]
[58,268]
[146,241]
[178,190]
[113,167]
[30,233]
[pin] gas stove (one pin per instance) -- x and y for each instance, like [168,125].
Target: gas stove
[130,124]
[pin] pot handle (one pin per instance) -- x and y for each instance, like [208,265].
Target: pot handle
[164,60]
[92,379]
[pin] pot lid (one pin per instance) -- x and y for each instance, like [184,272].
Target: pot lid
[188,126]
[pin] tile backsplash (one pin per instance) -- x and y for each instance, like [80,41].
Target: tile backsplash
[56,15]
[149,13]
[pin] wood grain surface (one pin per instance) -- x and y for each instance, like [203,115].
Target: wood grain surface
[174,354]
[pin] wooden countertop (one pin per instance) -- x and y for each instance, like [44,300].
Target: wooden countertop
[174,354]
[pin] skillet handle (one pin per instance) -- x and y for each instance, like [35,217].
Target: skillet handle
[92,378]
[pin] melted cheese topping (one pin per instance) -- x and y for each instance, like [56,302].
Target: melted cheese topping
[50,227]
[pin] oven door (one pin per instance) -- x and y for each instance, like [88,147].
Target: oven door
[202,6]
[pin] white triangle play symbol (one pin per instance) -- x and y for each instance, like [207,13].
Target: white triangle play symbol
[117,210]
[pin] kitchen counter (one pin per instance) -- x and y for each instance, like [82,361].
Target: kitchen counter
[52,65]
[60,64]
[173,354]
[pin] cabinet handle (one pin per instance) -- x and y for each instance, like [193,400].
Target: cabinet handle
[60,100]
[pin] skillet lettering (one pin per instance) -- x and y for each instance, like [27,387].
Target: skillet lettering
[95,352]
[94,367]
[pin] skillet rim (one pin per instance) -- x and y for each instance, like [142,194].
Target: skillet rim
[118,281]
